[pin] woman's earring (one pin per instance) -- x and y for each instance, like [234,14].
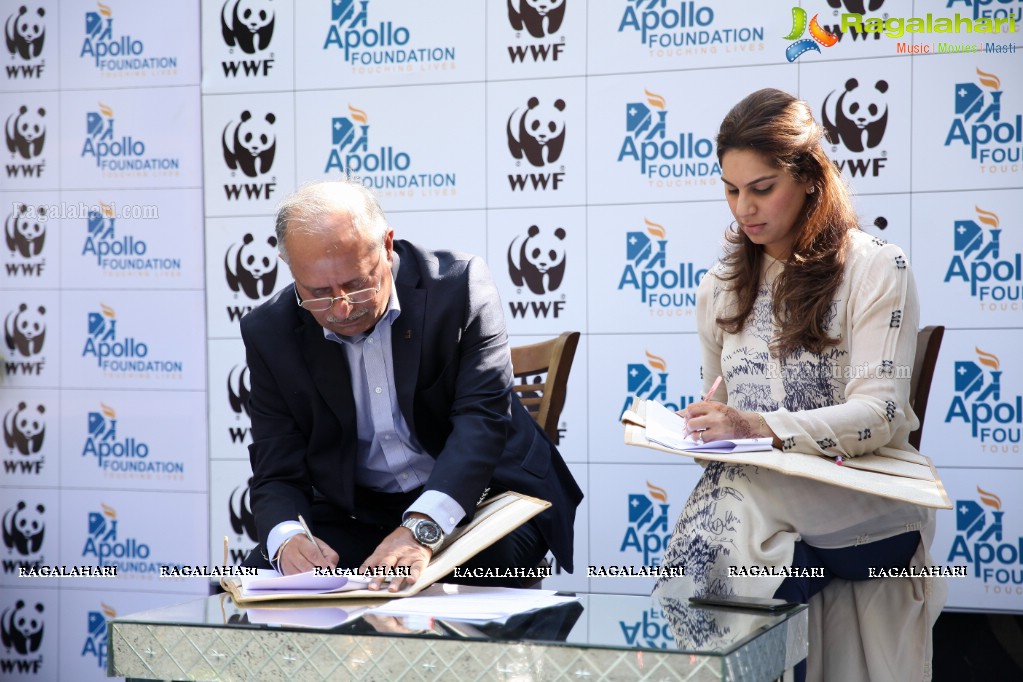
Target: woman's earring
[811,190]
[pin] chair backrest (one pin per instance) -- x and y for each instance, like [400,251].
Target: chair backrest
[928,343]
[545,399]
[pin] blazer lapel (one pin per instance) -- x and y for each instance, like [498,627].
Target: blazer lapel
[407,335]
[329,366]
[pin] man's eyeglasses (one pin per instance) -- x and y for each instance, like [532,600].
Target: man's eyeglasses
[318,305]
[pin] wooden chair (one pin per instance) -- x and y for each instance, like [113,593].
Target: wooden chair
[928,343]
[544,399]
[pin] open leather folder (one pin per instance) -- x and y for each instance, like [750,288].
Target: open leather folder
[896,474]
[495,517]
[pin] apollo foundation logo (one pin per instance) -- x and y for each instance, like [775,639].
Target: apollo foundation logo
[665,291]
[666,159]
[981,541]
[124,456]
[994,278]
[646,534]
[123,356]
[994,420]
[105,547]
[649,381]
[671,29]
[113,53]
[370,43]
[94,649]
[124,156]
[385,168]
[993,137]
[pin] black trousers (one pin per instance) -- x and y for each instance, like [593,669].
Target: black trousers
[355,536]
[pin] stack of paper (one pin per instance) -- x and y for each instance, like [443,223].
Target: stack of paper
[668,428]
[894,474]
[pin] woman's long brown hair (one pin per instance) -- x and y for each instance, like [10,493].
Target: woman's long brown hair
[782,129]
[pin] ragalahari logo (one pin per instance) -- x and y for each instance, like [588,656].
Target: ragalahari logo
[818,36]
[647,531]
[978,541]
[994,422]
[114,54]
[994,281]
[674,160]
[666,291]
[994,143]
[96,635]
[25,34]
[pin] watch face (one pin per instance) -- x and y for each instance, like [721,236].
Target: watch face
[428,532]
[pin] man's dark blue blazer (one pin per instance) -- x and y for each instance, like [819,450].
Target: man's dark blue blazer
[452,372]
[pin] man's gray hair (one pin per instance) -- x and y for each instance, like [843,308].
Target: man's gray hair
[306,210]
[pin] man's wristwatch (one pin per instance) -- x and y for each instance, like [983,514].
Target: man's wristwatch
[426,532]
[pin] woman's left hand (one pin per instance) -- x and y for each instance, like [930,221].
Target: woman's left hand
[717,421]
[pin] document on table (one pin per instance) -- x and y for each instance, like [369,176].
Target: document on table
[472,604]
[269,581]
[667,428]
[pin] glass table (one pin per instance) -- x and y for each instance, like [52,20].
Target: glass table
[596,637]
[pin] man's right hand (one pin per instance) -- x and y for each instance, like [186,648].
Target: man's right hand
[300,555]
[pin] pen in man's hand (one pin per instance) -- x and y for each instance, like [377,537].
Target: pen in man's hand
[309,534]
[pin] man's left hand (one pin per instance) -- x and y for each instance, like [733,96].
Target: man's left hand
[399,549]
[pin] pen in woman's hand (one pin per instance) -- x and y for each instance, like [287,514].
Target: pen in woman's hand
[713,387]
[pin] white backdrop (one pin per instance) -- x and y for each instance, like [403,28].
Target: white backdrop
[148,143]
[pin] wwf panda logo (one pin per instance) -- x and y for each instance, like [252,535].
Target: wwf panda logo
[24,528]
[250,144]
[858,117]
[539,17]
[538,259]
[537,132]
[26,132]
[23,233]
[25,330]
[240,511]
[21,628]
[248,24]
[251,267]
[857,6]
[238,389]
[25,32]
[24,429]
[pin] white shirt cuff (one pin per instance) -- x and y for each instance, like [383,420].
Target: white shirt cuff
[440,507]
[279,533]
